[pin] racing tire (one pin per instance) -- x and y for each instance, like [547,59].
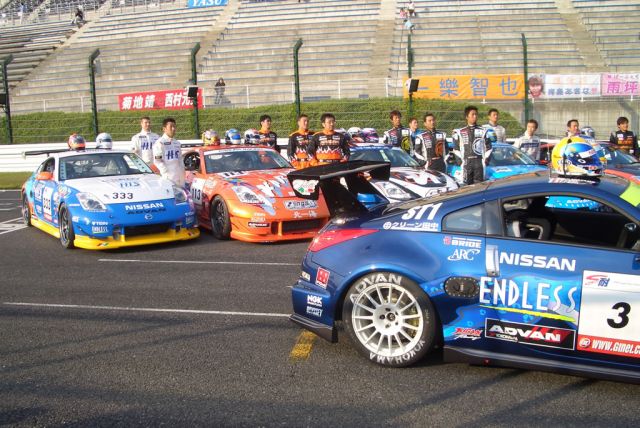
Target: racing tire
[26,211]
[220,221]
[389,319]
[67,235]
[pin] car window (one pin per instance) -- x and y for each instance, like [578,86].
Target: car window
[470,219]
[507,155]
[243,160]
[101,165]
[47,166]
[570,219]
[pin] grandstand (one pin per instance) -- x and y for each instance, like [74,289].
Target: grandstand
[352,48]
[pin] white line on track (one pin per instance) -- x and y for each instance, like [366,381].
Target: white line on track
[161,310]
[199,262]
[9,221]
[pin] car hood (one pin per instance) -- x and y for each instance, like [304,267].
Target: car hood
[124,188]
[509,170]
[631,168]
[418,177]
[272,183]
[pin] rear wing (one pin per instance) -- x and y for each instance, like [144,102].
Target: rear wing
[45,152]
[307,184]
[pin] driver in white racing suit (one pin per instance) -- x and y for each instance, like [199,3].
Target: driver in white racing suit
[500,132]
[167,154]
[142,142]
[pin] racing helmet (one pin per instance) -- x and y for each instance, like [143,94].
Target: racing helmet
[370,136]
[104,141]
[354,131]
[251,137]
[232,136]
[588,131]
[574,156]
[76,142]
[210,138]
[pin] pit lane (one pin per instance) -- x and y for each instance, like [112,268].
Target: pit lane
[196,333]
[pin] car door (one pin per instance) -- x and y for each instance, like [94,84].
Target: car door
[567,291]
[43,191]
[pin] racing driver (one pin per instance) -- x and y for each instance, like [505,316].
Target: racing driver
[297,150]
[474,144]
[166,153]
[328,146]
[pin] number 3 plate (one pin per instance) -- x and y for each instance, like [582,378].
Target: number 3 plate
[610,314]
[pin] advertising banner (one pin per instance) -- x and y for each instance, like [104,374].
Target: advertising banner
[617,85]
[564,86]
[158,100]
[205,3]
[469,87]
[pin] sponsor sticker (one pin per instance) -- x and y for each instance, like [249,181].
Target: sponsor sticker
[462,242]
[313,300]
[302,204]
[99,229]
[147,207]
[305,187]
[411,226]
[258,224]
[467,333]
[306,276]
[463,254]
[322,277]
[530,334]
[316,312]
[538,261]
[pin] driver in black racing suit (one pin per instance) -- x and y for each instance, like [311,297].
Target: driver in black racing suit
[431,145]
[474,144]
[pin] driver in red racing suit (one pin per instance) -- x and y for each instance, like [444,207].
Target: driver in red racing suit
[474,146]
[328,146]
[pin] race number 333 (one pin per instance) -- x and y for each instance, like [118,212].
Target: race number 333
[610,314]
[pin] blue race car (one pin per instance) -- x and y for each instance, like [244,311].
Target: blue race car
[504,161]
[489,272]
[105,199]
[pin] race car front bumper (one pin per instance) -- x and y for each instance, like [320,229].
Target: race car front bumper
[122,241]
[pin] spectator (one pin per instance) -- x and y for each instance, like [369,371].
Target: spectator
[78,18]
[529,142]
[412,8]
[623,138]
[499,131]
[167,154]
[267,136]
[409,25]
[573,128]
[21,10]
[142,142]
[403,14]
[297,150]
[219,88]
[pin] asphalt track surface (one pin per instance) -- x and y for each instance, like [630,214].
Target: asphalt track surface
[161,336]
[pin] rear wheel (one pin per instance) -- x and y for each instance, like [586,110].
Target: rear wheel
[67,235]
[389,319]
[26,211]
[220,221]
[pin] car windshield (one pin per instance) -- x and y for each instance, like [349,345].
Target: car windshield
[243,160]
[397,158]
[101,164]
[507,155]
[617,157]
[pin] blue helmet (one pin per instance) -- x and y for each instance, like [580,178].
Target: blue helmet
[232,136]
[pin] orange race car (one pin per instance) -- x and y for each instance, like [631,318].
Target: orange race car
[242,192]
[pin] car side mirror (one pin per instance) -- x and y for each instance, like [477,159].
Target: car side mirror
[44,176]
[631,227]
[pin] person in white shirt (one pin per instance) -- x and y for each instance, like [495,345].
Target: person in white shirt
[142,142]
[529,142]
[501,134]
[167,154]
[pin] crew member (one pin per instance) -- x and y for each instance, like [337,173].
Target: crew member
[623,138]
[328,146]
[267,136]
[297,149]
[142,142]
[166,153]
[398,135]
[474,146]
[431,145]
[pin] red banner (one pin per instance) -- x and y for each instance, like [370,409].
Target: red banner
[176,99]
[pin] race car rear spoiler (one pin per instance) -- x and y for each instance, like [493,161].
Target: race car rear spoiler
[45,152]
[308,182]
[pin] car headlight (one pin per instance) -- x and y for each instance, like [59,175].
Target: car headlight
[247,195]
[180,195]
[90,202]
[393,191]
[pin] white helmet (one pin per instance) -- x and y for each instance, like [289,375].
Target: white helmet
[104,141]
[354,131]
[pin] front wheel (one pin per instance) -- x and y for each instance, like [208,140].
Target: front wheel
[67,235]
[26,211]
[220,221]
[389,319]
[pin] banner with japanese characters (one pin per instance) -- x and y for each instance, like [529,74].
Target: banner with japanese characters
[176,99]
[620,85]
[469,87]
[206,3]
[564,86]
